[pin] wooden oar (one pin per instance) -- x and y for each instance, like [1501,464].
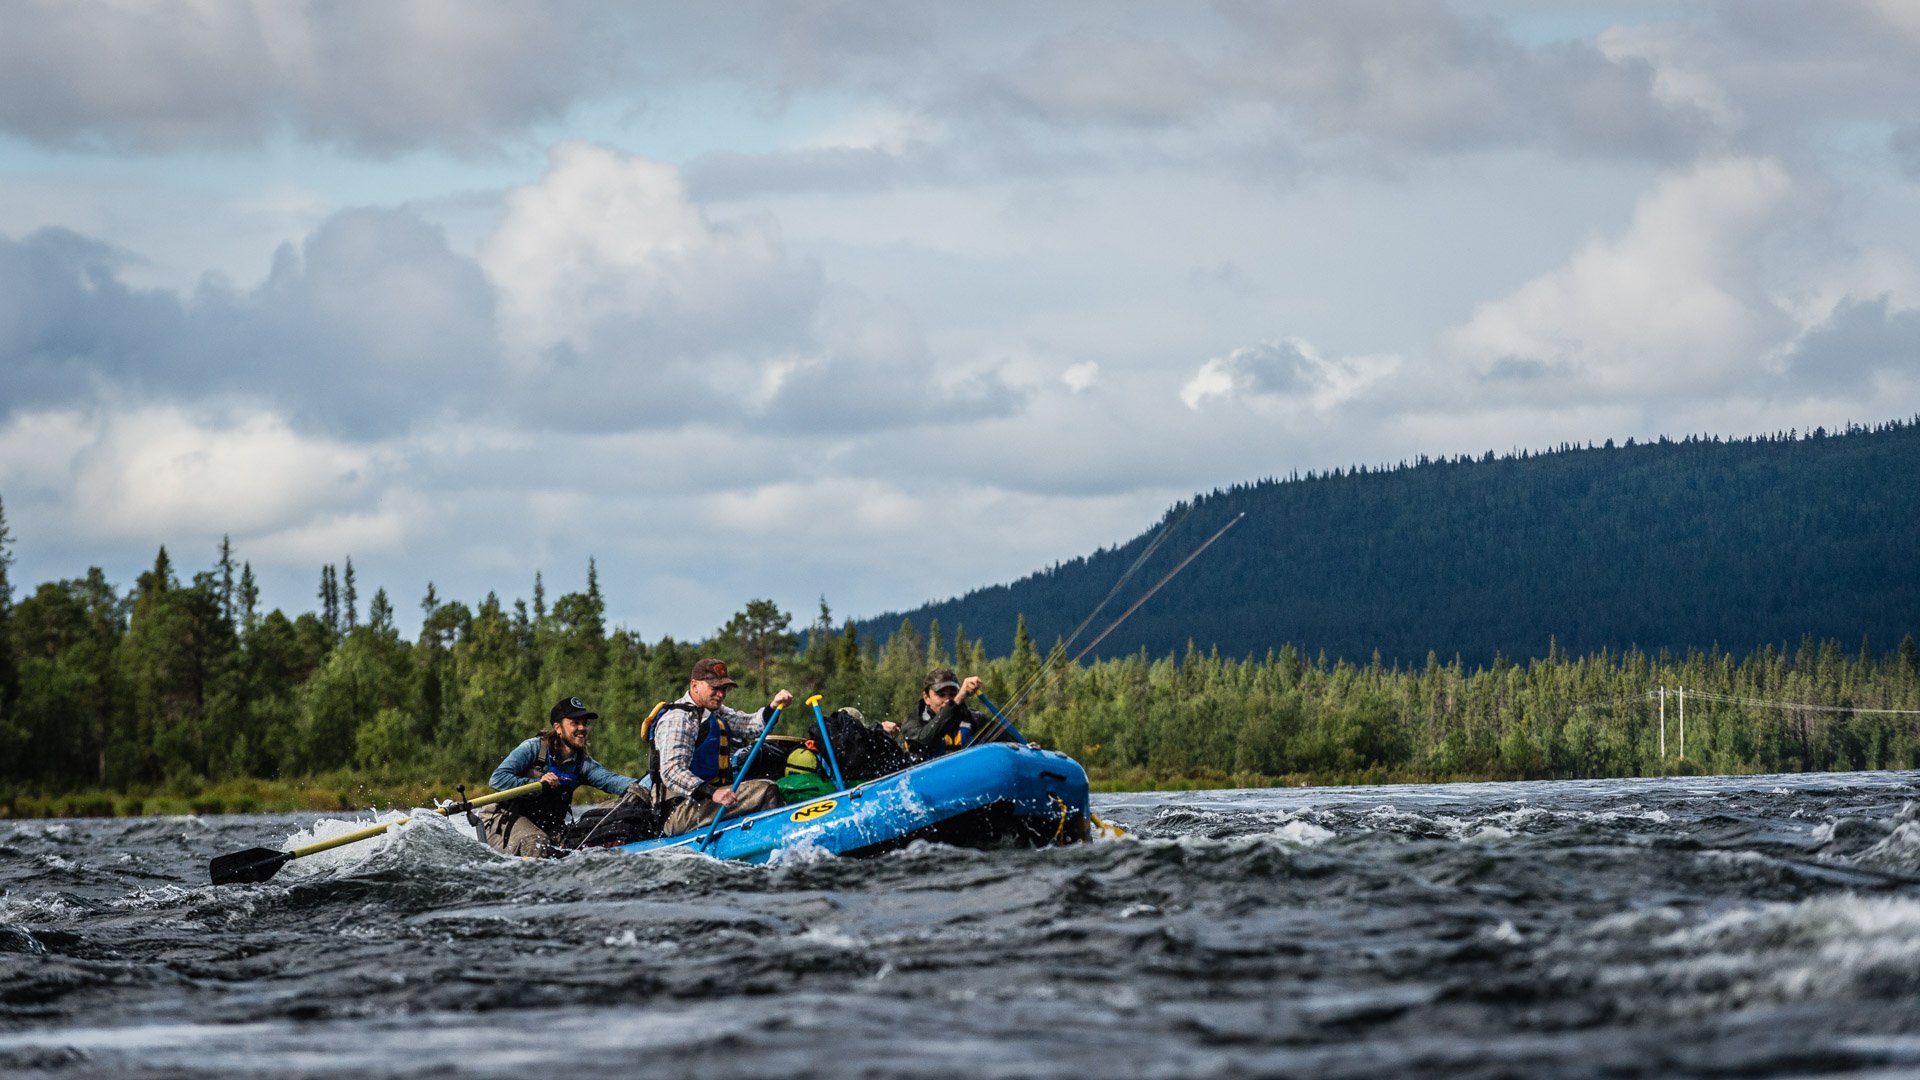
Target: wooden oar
[259,864]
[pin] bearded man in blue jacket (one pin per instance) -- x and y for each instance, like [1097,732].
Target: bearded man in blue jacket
[531,825]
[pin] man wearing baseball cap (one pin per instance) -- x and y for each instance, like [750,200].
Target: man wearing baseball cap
[942,723]
[693,743]
[531,824]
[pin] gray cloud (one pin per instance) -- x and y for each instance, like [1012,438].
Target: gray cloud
[1102,75]
[1422,78]
[374,76]
[807,44]
[1860,340]
[1080,83]
[67,321]
[373,327]
[1266,369]
[873,371]
[368,324]
[842,169]
[354,332]
[1905,145]
[1277,367]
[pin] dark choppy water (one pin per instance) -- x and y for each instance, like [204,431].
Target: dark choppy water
[1718,927]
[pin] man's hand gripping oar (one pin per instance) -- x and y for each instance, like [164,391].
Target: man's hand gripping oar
[259,864]
[721,811]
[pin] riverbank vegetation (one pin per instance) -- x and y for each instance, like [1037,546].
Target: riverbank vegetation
[182,696]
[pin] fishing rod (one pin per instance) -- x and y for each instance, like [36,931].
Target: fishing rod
[1161,536]
[993,728]
[1060,648]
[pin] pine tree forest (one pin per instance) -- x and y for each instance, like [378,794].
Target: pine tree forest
[181,692]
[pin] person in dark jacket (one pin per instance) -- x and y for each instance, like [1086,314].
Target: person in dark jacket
[943,722]
[531,825]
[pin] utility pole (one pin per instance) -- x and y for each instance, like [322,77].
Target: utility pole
[1683,723]
[1663,723]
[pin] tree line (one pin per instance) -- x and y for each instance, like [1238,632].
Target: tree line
[182,679]
[1672,543]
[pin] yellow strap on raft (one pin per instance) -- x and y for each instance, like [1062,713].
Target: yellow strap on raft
[1064,811]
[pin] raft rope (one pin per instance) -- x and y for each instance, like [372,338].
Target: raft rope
[1060,829]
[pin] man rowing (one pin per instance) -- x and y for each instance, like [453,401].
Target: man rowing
[693,743]
[943,722]
[531,825]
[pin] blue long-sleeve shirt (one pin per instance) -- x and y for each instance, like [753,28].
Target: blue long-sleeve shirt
[523,764]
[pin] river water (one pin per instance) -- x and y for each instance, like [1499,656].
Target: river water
[1699,927]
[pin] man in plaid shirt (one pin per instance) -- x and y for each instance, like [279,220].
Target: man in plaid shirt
[693,740]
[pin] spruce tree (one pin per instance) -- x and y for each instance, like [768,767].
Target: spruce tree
[848,685]
[1025,660]
[351,597]
[817,662]
[936,650]
[228,599]
[249,601]
[330,600]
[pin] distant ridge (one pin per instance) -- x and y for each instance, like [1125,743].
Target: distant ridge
[1699,541]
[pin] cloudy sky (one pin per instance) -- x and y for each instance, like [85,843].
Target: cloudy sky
[887,301]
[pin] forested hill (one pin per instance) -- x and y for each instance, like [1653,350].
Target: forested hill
[1695,542]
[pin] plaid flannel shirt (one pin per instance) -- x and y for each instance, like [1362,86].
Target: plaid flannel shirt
[677,731]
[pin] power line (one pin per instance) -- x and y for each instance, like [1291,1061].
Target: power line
[1762,703]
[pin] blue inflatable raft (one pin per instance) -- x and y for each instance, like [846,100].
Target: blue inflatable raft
[991,795]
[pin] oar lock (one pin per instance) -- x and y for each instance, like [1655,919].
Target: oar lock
[465,804]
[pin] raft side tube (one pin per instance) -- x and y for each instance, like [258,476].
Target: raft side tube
[983,796]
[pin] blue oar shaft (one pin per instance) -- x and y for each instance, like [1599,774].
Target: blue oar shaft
[999,717]
[826,740]
[721,811]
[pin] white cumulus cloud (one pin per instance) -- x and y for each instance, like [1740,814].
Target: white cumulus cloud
[1679,301]
[600,235]
[159,470]
[1288,371]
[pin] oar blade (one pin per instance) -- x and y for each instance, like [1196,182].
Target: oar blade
[249,866]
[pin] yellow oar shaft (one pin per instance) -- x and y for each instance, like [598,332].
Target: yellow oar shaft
[373,831]
[341,841]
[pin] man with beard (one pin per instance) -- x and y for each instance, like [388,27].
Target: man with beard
[531,825]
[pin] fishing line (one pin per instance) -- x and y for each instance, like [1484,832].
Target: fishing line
[993,728]
[1161,536]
